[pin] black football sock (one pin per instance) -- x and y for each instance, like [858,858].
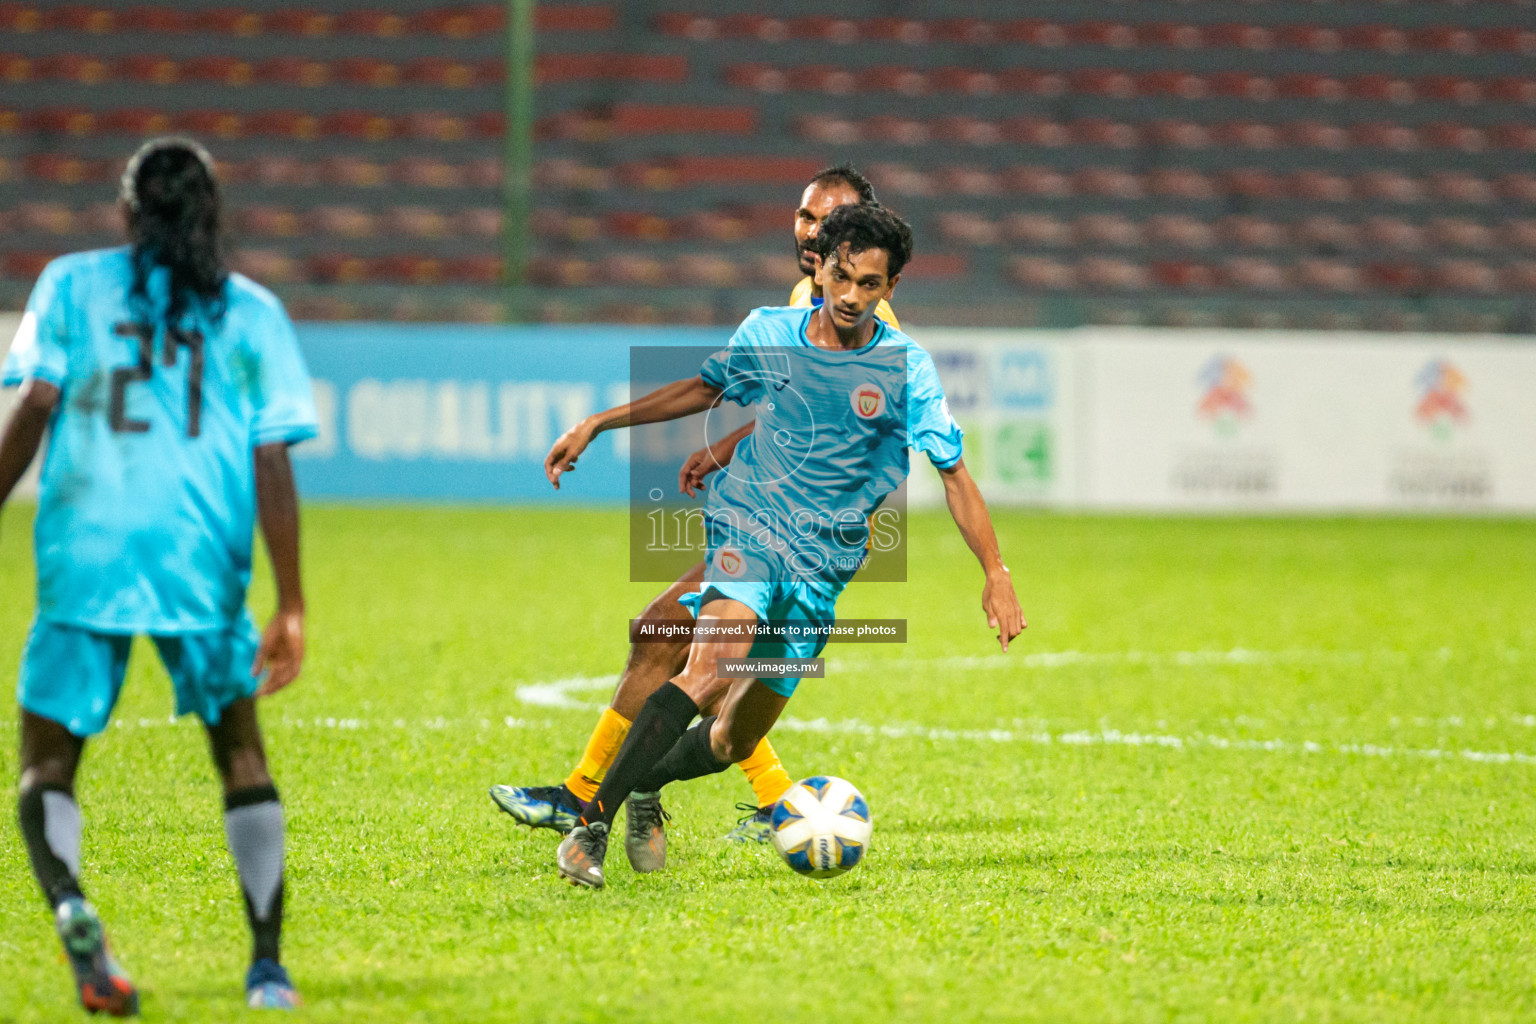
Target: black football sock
[661,721]
[253,825]
[50,824]
[691,757]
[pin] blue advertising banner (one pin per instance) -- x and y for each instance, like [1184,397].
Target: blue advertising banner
[468,412]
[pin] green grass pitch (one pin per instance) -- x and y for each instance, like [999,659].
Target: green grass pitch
[1248,769]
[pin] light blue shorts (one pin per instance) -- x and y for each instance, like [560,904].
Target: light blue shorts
[73,676]
[774,601]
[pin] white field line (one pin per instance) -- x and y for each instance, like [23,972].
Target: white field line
[560,694]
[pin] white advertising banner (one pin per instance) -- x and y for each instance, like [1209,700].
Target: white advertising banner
[1271,420]
[1014,395]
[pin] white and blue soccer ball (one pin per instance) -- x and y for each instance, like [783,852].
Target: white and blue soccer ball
[821,827]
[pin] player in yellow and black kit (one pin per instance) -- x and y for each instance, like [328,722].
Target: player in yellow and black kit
[652,664]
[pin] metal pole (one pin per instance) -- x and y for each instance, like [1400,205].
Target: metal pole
[516,230]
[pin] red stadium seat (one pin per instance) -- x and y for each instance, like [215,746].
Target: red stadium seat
[342,222]
[969,130]
[415,222]
[1321,186]
[300,22]
[228,21]
[287,124]
[1182,84]
[25,266]
[150,69]
[369,71]
[1180,134]
[1328,233]
[79,68]
[1034,32]
[223,70]
[1099,132]
[1392,233]
[1181,183]
[645,227]
[901,180]
[1253,183]
[1381,38]
[1242,36]
[366,22]
[901,130]
[433,126]
[101,219]
[1113,275]
[1391,186]
[80,18]
[1173,35]
[357,124]
[965,80]
[1520,277]
[478,222]
[1449,135]
[1519,234]
[1327,275]
[1182,275]
[1317,38]
[1460,233]
[1317,135]
[268,266]
[1179,231]
[1461,187]
[426,172]
[1034,131]
[547,18]
[1472,276]
[294,71]
[64,121]
[641,119]
[1248,134]
[16,68]
[972,229]
[1249,274]
[1451,89]
[1513,89]
[1103,82]
[1385,135]
[1044,182]
[45,218]
[1111,182]
[1394,277]
[1038,229]
[159,20]
[1108,229]
[1252,233]
[1112,34]
[907,81]
[268,221]
[1321,88]
[1242,85]
[275,170]
[20,18]
[1445,38]
[339,268]
[474,270]
[1034,82]
[1381,88]
[1508,40]
[443,73]
[1518,137]
[1038,274]
[222,124]
[970,181]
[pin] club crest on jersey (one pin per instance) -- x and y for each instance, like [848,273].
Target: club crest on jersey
[868,401]
[730,562]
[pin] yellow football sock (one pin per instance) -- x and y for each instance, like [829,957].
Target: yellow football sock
[602,748]
[766,773]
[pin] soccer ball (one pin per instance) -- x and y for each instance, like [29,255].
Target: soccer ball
[821,827]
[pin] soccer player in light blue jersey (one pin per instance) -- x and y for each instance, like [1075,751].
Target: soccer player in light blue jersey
[840,398]
[170,391]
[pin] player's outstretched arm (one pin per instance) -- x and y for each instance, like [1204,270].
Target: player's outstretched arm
[969,510]
[281,653]
[710,458]
[668,402]
[24,432]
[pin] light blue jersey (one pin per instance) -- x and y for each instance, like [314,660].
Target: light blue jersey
[831,442]
[148,496]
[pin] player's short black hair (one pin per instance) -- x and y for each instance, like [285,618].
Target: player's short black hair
[865,227]
[171,196]
[849,175]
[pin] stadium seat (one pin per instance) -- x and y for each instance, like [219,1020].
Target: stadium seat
[341,222]
[1100,272]
[1327,275]
[1179,231]
[294,71]
[268,221]
[371,22]
[45,218]
[20,18]
[903,131]
[300,22]
[906,81]
[1392,233]
[1035,131]
[1108,229]
[1384,135]
[1181,183]
[96,21]
[1180,84]
[969,81]
[1243,85]
[1250,274]
[1519,277]
[1038,229]
[1461,233]
[1321,187]
[1247,134]
[1241,36]
[1326,233]
[1317,38]
[968,130]
[478,222]
[1461,187]
[268,266]
[1110,34]
[25,266]
[218,124]
[1390,186]
[223,70]
[1519,234]
[1248,232]
[970,229]
[1033,81]
[1173,35]
[286,124]
[1035,32]
[1311,86]
[78,68]
[1103,82]
[1111,182]
[1096,131]
[1512,89]
[1517,188]
[155,20]
[1181,134]
[150,69]
[1381,88]
[1462,275]
[228,21]
[1514,136]
[1253,183]
[427,172]
[1182,275]
[1508,39]
[1450,89]
[1040,274]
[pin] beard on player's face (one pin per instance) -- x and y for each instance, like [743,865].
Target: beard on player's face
[807,258]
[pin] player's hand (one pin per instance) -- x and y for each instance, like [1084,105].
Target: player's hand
[281,653]
[562,457]
[1002,607]
[690,479]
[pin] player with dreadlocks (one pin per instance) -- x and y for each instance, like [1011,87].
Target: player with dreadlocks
[171,390]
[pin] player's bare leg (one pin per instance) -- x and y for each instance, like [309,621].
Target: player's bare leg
[661,722]
[253,826]
[50,824]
